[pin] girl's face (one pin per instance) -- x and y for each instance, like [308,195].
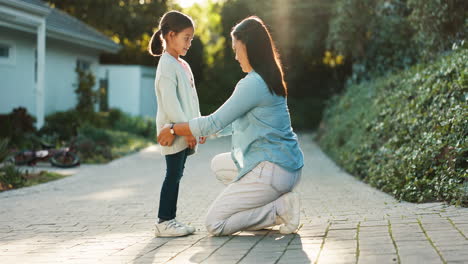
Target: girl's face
[179,43]
[241,54]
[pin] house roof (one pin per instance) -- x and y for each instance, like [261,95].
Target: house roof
[62,26]
[36,2]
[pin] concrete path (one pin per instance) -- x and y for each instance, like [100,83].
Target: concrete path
[105,214]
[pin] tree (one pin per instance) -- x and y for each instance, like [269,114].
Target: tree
[85,94]
[129,23]
[299,29]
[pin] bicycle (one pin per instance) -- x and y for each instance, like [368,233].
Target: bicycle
[63,158]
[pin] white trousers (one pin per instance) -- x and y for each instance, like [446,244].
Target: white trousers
[253,202]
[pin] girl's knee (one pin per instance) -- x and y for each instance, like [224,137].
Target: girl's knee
[173,176]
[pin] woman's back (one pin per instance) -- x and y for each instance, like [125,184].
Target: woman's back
[264,133]
[272,110]
[261,126]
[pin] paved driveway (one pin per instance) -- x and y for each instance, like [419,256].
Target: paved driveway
[105,214]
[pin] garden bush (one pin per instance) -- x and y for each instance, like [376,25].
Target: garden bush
[62,124]
[380,36]
[16,126]
[141,126]
[65,125]
[85,94]
[13,178]
[406,133]
[98,145]
[102,136]
[10,177]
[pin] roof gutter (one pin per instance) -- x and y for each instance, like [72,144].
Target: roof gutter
[81,39]
[29,8]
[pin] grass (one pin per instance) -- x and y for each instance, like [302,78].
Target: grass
[31,179]
[42,177]
[119,145]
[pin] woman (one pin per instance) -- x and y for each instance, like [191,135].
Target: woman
[265,149]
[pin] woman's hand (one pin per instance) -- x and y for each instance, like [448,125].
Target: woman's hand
[202,140]
[191,141]
[165,137]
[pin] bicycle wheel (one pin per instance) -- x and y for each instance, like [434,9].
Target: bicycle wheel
[65,159]
[23,157]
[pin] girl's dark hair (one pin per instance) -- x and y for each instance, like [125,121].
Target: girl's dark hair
[262,53]
[171,21]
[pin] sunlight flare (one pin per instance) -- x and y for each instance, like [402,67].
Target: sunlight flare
[189,3]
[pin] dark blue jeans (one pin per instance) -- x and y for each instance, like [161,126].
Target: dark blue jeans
[175,164]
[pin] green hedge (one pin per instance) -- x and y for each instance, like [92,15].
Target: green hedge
[98,145]
[406,133]
[65,125]
[102,136]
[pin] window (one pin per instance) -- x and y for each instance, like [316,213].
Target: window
[4,51]
[7,52]
[83,65]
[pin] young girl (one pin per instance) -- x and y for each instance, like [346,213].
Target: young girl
[177,102]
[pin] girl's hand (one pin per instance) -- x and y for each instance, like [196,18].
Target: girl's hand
[165,137]
[202,140]
[191,141]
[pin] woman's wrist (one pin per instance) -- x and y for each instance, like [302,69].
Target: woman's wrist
[182,129]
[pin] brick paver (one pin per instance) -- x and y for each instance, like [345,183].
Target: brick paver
[105,214]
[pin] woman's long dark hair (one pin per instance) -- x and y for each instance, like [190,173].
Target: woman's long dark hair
[171,21]
[262,53]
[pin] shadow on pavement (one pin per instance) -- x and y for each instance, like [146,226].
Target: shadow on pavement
[265,246]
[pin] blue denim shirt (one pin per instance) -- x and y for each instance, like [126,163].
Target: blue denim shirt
[260,123]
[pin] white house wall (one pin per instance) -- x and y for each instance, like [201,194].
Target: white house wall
[61,78]
[17,78]
[148,105]
[123,87]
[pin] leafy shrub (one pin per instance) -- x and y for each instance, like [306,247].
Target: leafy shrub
[97,145]
[438,24]
[141,126]
[17,125]
[85,94]
[4,152]
[94,144]
[114,115]
[63,124]
[66,124]
[406,133]
[11,177]
[387,35]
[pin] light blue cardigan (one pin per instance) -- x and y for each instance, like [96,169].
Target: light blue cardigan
[260,123]
[177,99]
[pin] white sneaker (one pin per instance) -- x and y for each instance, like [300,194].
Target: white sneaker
[170,228]
[291,217]
[191,229]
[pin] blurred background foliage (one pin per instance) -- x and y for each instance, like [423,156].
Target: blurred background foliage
[127,22]
[324,44]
